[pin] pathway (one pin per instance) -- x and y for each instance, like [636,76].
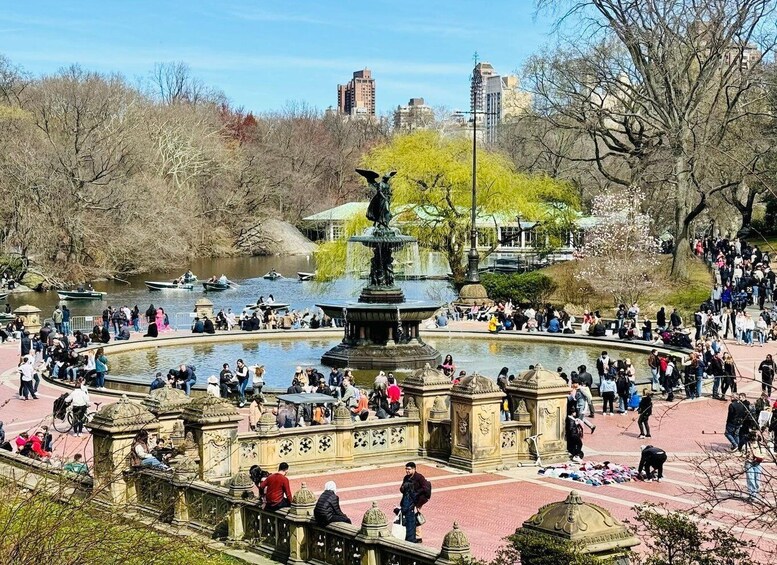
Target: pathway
[490,506]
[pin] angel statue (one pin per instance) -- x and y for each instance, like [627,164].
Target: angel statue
[379,210]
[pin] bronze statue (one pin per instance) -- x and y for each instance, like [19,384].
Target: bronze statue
[379,210]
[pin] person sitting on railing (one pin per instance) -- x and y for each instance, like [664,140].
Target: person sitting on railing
[158,382]
[327,508]
[76,466]
[185,378]
[207,326]
[361,410]
[140,455]
[276,489]
[213,386]
[198,327]
[32,446]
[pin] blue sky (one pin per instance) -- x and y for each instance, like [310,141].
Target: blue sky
[266,53]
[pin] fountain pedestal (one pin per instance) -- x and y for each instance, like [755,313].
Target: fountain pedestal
[381,328]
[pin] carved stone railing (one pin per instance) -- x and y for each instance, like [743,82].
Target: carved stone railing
[288,536]
[515,448]
[344,443]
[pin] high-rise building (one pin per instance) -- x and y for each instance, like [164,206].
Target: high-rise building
[357,97]
[416,115]
[503,100]
[477,90]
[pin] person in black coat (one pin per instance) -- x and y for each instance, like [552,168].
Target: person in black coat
[327,508]
[652,462]
[645,411]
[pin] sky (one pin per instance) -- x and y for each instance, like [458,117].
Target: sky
[266,54]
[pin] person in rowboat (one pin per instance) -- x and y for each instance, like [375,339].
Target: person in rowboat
[223,279]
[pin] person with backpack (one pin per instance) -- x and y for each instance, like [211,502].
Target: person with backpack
[416,491]
[573,431]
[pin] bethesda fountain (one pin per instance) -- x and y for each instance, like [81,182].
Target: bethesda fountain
[381,328]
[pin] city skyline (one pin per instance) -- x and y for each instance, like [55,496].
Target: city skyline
[248,51]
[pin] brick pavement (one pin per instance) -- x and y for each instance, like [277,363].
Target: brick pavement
[490,506]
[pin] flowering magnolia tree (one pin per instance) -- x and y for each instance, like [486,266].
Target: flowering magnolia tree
[619,255]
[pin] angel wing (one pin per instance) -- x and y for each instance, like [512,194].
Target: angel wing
[371,176]
[387,176]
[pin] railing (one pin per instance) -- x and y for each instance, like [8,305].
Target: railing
[330,445]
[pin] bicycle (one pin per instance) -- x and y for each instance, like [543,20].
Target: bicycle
[65,424]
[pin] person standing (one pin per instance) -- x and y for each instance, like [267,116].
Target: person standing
[754,456]
[276,489]
[767,369]
[56,317]
[416,491]
[645,410]
[586,381]
[652,460]
[579,404]
[654,365]
[65,319]
[242,374]
[607,389]
[101,368]
[26,373]
[737,412]
[79,400]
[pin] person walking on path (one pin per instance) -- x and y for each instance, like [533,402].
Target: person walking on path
[65,319]
[327,508]
[580,404]
[754,456]
[655,368]
[652,462]
[276,489]
[416,491]
[767,369]
[26,373]
[729,376]
[737,412]
[645,410]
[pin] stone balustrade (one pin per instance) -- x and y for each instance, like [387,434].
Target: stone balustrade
[341,443]
[289,535]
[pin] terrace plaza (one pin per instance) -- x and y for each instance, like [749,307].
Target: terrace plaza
[490,503]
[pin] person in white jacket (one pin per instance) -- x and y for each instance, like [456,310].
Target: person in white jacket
[79,400]
[213,386]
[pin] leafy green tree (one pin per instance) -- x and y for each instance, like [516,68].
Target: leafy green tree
[534,288]
[526,548]
[433,192]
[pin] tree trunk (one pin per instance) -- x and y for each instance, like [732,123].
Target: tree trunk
[682,249]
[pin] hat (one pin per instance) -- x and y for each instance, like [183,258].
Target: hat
[213,380]
[298,369]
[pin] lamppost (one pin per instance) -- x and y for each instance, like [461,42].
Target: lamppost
[473,290]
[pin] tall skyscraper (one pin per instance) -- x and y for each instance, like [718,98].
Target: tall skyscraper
[477,90]
[357,97]
[504,100]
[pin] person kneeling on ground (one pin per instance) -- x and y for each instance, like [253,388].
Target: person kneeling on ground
[652,461]
[327,508]
[141,455]
[124,333]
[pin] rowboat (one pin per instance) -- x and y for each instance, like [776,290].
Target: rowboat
[265,306]
[81,295]
[272,275]
[158,285]
[3,295]
[216,286]
[303,276]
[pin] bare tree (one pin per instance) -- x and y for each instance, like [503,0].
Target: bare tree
[656,85]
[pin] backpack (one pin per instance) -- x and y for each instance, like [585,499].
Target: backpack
[427,489]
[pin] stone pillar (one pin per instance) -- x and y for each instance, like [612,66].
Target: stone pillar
[430,390]
[476,426]
[374,527]
[213,422]
[240,490]
[300,515]
[167,404]
[203,307]
[455,547]
[113,431]
[544,397]
[30,315]
[184,472]
[343,436]
[591,528]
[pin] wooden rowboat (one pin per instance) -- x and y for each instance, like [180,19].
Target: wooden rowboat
[158,285]
[81,295]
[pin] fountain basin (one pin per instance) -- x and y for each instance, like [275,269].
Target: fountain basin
[381,335]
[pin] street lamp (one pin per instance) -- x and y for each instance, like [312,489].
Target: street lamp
[473,257]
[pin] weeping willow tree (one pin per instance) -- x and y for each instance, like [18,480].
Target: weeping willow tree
[433,190]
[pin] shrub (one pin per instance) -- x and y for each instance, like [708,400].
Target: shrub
[534,287]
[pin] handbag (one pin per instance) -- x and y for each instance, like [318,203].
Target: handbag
[420,519]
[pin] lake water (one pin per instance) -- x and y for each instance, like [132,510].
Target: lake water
[245,271]
[281,356]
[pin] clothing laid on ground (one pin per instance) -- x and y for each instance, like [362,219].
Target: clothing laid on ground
[590,473]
